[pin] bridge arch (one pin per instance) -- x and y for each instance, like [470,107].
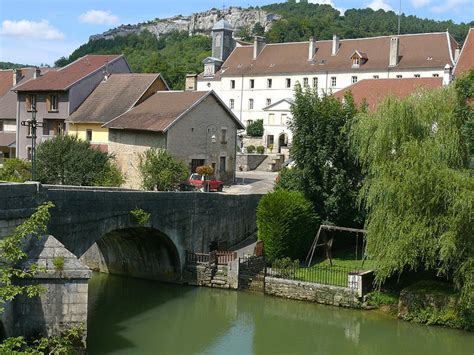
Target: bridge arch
[136,251]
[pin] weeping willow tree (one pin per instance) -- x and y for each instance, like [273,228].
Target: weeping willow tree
[418,193]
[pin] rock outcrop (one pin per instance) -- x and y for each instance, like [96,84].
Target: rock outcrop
[201,22]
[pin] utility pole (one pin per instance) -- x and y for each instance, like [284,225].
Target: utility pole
[399,15]
[33,124]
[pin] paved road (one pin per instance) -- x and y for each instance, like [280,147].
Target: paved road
[252,182]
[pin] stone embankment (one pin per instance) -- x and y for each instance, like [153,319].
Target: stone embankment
[201,22]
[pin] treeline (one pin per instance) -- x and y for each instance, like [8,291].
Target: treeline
[178,53]
[10,65]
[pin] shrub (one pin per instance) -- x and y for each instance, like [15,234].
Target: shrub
[270,148]
[140,216]
[58,263]
[15,170]
[250,149]
[205,170]
[289,179]
[67,160]
[160,171]
[255,129]
[260,149]
[111,176]
[287,224]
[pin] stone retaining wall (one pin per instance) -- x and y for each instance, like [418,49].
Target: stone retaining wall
[306,291]
[249,161]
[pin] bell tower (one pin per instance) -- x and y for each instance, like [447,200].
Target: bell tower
[222,41]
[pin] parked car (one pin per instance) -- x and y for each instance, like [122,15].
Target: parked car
[205,182]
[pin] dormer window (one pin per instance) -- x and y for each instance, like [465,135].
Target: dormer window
[358,58]
[209,69]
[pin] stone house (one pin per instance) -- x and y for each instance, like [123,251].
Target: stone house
[195,127]
[9,80]
[114,96]
[250,78]
[57,94]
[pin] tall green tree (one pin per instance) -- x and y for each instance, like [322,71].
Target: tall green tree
[326,171]
[67,160]
[418,194]
[160,171]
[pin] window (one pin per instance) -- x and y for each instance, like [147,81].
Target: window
[315,82]
[249,122]
[435,75]
[222,165]
[271,119]
[375,76]
[399,76]
[333,81]
[232,84]
[269,83]
[52,103]
[270,139]
[288,82]
[231,104]
[355,62]
[223,135]
[354,79]
[283,119]
[30,102]
[1,126]
[252,83]
[269,102]
[250,104]
[305,82]
[89,135]
[417,75]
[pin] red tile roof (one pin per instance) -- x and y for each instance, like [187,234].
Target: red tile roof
[63,78]
[373,91]
[425,50]
[466,58]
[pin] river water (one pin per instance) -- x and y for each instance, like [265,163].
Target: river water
[133,316]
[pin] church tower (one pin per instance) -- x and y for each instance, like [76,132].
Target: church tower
[222,41]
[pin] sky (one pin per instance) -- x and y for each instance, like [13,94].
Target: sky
[36,32]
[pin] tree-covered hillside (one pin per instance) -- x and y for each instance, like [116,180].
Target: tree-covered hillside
[176,54]
[10,65]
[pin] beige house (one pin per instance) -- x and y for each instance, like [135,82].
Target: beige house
[196,127]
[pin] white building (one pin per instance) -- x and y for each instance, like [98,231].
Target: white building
[257,80]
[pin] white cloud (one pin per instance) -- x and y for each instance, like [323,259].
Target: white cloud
[449,6]
[30,29]
[419,3]
[380,5]
[98,17]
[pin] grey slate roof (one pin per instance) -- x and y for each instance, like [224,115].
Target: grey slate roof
[113,97]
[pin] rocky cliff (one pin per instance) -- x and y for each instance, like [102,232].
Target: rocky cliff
[201,22]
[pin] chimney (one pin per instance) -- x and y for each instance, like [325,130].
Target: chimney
[258,45]
[311,48]
[447,75]
[457,52]
[394,51]
[335,44]
[191,82]
[37,73]
[16,76]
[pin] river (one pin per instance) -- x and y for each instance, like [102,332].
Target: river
[133,316]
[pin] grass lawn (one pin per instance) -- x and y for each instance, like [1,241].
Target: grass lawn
[345,258]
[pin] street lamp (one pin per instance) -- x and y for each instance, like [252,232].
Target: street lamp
[33,124]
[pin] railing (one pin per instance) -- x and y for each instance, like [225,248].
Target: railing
[326,275]
[214,257]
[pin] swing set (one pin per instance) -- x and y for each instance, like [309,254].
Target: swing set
[327,243]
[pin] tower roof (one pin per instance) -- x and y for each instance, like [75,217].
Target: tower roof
[222,25]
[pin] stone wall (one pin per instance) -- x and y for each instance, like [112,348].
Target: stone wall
[249,161]
[252,274]
[305,291]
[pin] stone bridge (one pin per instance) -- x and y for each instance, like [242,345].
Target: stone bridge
[95,224]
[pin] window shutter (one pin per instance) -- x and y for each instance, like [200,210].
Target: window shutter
[48,102]
[28,102]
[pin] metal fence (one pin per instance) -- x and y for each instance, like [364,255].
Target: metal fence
[321,274]
[219,257]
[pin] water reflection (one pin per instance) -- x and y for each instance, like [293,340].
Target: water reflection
[131,316]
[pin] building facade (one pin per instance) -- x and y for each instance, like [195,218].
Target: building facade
[256,76]
[57,94]
[195,127]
